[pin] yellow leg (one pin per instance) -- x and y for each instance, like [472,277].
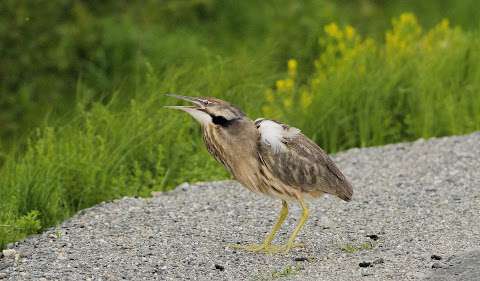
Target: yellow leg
[281,218]
[291,241]
[267,246]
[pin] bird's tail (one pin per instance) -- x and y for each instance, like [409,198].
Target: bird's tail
[346,192]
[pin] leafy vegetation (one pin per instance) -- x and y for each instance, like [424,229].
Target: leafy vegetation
[363,92]
[82,87]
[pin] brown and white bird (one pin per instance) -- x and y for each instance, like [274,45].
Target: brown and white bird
[267,157]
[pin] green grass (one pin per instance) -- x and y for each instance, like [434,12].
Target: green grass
[110,150]
[287,271]
[112,137]
[351,249]
[364,92]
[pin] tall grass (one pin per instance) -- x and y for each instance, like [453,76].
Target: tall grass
[113,149]
[45,47]
[358,91]
[414,83]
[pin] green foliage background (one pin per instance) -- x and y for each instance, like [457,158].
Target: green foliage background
[81,84]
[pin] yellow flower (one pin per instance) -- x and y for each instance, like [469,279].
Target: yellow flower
[444,24]
[292,64]
[408,18]
[285,85]
[281,85]
[407,27]
[292,68]
[350,32]
[333,31]
[438,37]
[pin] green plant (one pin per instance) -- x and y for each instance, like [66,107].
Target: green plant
[287,271]
[364,92]
[350,248]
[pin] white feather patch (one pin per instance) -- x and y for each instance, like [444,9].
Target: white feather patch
[273,134]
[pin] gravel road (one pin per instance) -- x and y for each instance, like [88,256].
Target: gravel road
[415,215]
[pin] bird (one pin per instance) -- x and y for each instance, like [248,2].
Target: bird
[269,158]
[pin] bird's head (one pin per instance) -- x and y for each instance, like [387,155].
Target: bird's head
[210,111]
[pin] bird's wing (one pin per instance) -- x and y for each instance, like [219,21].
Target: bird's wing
[299,162]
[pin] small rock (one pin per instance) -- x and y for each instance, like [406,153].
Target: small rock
[437,265]
[8,253]
[378,261]
[301,259]
[436,257]
[184,186]
[3,275]
[374,237]
[367,274]
[365,264]
[5,264]
[25,253]
[219,267]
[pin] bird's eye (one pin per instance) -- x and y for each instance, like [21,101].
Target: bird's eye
[205,102]
[220,120]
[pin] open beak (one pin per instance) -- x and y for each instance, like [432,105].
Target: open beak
[196,101]
[197,111]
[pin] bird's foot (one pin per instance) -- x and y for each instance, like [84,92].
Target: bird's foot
[266,248]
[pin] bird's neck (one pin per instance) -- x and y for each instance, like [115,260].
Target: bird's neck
[236,149]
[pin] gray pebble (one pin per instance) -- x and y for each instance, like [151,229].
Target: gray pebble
[365,264]
[436,257]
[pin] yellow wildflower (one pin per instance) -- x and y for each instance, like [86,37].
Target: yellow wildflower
[408,19]
[292,67]
[333,31]
[407,27]
[281,85]
[350,32]
[444,24]
[292,64]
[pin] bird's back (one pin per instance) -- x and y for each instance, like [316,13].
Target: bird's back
[297,162]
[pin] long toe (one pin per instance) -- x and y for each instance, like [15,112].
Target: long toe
[287,247]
